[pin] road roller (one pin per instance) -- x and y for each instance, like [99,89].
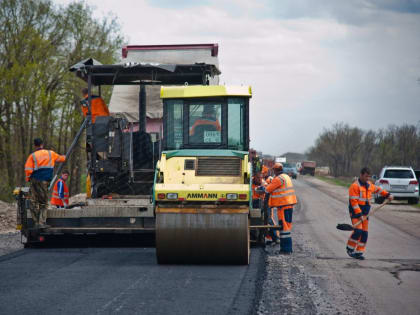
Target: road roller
[202,183]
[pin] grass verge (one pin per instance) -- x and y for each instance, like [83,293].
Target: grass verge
[339,181]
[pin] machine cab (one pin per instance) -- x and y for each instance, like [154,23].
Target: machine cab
[206,117]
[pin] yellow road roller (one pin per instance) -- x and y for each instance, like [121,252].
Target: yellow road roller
[202,187]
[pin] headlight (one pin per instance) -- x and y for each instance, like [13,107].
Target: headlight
[172,196]
[231,196]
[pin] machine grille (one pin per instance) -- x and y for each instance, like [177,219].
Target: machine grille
[189,165]
[219,167]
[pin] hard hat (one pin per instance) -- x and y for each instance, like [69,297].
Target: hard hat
[278,166]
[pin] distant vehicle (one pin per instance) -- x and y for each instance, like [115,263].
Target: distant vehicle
[290,169]
[280,159]
[400,181]
[308,167]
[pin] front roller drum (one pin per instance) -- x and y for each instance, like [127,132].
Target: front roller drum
[202,236]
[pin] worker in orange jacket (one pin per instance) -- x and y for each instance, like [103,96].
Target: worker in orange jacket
[281,202]
[98,106]
[256,195]
[360,193]
[39,168]
[60,195]
[266,180]
[208,119]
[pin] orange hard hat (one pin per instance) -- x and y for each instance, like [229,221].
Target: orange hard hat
[278,166]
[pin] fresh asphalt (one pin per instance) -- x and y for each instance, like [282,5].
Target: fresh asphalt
[124,280]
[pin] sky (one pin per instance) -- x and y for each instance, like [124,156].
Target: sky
[311,64]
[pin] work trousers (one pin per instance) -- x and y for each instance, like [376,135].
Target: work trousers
[39,201]
[358,239]
[282,216]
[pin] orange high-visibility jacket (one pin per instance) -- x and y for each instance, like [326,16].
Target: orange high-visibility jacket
[201,122]
[360,195]
[40,164]
[255,194]
[281,191]
[60,194]
[98,107]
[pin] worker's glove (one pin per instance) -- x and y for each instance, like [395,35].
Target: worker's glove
[260,189]
[390,197]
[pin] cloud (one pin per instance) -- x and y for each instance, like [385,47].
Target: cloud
[310,63]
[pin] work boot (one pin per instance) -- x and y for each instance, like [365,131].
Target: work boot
[350,252]
[358,256]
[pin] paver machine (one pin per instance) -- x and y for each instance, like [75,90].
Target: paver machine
[202,187]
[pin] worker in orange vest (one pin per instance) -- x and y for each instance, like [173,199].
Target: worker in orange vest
[256,196]
[281,202]
[39,168]
[60,195]
[208,119]
[98,106]
[360,192]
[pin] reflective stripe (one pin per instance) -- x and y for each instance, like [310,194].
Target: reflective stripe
[363,199]
[35,161]
[280,189]
[354,197]
[29,169]
[356,207]
[283,195]
[285,236]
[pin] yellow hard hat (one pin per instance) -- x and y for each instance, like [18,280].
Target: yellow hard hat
[278,166]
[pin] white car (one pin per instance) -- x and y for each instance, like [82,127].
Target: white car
[400,181]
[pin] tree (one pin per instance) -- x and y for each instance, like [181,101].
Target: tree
[38,95]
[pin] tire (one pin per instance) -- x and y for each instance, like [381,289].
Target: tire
[413,201]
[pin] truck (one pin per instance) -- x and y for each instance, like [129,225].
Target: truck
[308,167]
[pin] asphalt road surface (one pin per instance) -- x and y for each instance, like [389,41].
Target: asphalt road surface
[121,281]
[319,278]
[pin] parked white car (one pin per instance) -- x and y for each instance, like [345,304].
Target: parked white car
[400,181]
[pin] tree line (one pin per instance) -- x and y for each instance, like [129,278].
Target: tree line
[345,149]
[39,97]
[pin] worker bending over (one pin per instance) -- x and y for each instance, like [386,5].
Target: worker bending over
[281,202]
[60,195]
[360,193]
[39,168]
[98,106]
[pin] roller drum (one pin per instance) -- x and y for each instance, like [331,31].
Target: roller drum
[202,236]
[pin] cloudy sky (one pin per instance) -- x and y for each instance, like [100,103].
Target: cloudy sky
[310,63]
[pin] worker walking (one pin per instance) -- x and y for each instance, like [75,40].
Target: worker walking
[39,168]
[98,106]
[360,193]
[281,202]
[60,194]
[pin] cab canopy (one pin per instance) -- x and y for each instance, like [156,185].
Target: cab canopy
[206,117]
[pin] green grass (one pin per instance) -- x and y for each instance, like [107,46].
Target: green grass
[339,181]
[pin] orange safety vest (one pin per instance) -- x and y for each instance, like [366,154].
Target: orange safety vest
[56,199]
[203,122]
[255,194]
[359,195]
[98,107]
[281,191]
[40,164]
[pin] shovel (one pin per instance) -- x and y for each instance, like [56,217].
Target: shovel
[349,227]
